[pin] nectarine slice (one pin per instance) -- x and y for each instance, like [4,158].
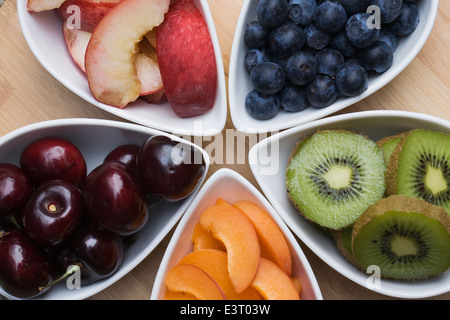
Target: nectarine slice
[147,68]
[236,232]
[273,283]
[187,60]
[112,50]
[203,239]
[43,5]
[91,12]
[77,41]
[192,280]
[214,263]
[272,241]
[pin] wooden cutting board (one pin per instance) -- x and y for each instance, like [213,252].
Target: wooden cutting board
[28,94]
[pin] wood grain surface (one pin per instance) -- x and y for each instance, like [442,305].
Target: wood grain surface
[28,94]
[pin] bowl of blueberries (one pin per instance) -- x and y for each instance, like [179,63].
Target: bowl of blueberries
[295,61]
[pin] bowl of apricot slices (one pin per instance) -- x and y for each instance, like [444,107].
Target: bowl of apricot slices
[232,245]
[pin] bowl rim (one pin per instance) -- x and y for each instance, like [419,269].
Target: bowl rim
[297,230]
[387,77]
[159,236]
[220,102]
[220,174]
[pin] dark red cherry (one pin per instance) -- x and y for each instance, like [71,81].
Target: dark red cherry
[24,268]
[98,253]
[15,188]
[53,158]
[169,170]
[53,212]
[126,153]
[114,199]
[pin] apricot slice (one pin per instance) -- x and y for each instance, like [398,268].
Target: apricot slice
[222,202]
[273,283]
[297,285]
[214,263]
[271,240]
[179,296]
[232,227]
[193,280]
[203,239]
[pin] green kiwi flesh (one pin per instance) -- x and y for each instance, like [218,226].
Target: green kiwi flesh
[334,175]
[388,145]
[420,167]
[407,238]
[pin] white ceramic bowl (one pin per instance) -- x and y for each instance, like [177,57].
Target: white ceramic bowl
[240,85]
[95,138]
[43,33]
[269,158]
[232,187]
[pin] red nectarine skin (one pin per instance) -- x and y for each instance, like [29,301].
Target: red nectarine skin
[186,60]
[91,11]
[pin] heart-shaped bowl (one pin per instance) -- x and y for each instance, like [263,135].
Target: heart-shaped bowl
[230,186]
[95,139]
[240,84]
[269,158]
[43,33]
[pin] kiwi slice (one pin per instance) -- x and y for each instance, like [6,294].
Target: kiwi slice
[407,238]
[343,239]
[389,143]
[334,175]
[420,167]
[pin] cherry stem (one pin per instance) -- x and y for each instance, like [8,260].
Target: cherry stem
[3,234]
[69,272]
[16,224]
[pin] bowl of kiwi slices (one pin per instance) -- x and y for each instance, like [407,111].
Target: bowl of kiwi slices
[369,194]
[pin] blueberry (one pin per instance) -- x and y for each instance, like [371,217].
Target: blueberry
[378,57]
[329,62]
[302,11]
[355,6]
[293,98]
[351,80]
[358,32]
[340,43]
[407,21]
[272,12]
[286,39]
[316,38]
[300,68]
[330,17]
[260,106]
[267,78]
[256,35]
[388,37]
[255,56]
[321,92]
[390,9]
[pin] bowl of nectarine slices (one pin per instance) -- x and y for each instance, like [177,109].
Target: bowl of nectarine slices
[232,245]
[153,62]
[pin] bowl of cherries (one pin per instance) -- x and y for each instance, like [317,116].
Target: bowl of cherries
[83,201]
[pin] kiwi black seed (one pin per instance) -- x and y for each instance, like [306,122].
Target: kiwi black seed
[407,238]
[334,175]
[420,167]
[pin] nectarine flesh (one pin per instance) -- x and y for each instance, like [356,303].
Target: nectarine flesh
[111,52]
